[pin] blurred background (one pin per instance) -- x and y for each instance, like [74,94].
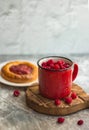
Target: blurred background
[44,27]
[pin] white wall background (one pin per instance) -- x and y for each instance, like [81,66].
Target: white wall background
[44,26]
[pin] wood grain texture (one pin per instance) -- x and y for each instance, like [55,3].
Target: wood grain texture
[43,105]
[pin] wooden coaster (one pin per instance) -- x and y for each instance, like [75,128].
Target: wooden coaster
[44,105]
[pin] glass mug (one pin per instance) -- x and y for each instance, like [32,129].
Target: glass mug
[56,83]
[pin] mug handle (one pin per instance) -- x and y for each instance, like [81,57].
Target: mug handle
[75,71]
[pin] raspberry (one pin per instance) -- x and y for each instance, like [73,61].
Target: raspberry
[56,66]
[57,102]
[68,100]
[48,67]
[62,67]
[73,95]
[60,120]
[52,65]
[59,64]
[67,65]
[16,93]
[62,62]
[44,64]
[50,62]
[80,122]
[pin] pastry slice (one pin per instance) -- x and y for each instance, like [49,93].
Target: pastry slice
[19,71]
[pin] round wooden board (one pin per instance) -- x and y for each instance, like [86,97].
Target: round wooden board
[44,105]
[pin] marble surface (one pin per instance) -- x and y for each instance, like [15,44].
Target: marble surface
[15,115]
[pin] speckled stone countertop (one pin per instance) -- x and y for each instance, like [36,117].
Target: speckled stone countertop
[15,115]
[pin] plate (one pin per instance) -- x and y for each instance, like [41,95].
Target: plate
[2,80]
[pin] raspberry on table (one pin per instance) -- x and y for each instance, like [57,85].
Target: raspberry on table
[80,122]
[16,93]
[60,120]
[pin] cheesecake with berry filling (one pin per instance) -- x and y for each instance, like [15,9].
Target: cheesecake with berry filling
[19,71]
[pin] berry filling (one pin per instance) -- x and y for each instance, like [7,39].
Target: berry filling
[56,65]
[20,69]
